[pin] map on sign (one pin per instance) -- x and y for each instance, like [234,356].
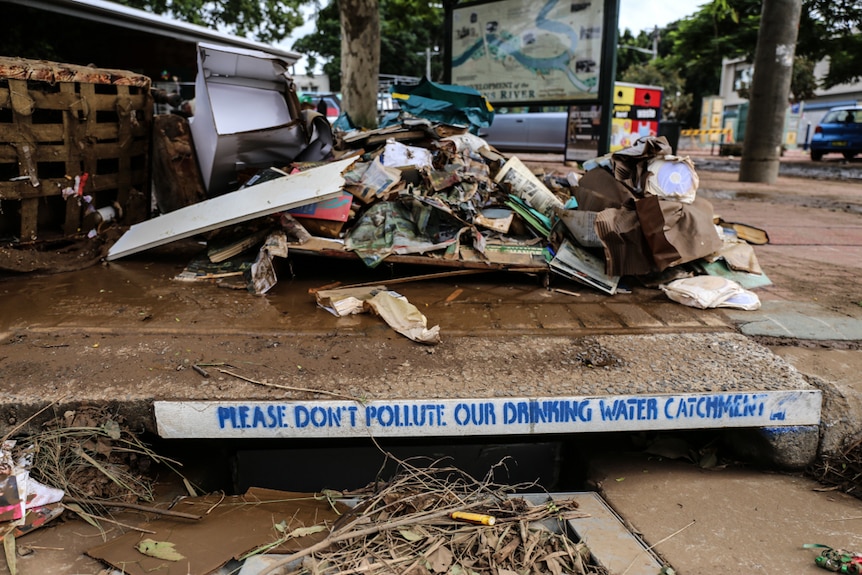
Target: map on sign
[526,51]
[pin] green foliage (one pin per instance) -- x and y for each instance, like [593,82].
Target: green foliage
[631,50]
[721,29]
[845,60]
[407,28]
[267,21]
[803,84]
[729,28]
[324,44]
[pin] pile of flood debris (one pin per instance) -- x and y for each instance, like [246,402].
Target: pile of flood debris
[421,192]
[258,176]
[842,470]
[434,194]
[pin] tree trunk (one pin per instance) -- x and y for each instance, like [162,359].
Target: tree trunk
[360,60]
[770,90]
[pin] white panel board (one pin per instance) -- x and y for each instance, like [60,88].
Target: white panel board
[489,416]
[322,183]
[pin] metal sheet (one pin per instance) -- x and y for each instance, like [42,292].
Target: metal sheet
[612,545]
[267,198]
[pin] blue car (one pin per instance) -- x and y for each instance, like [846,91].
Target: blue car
[840,131]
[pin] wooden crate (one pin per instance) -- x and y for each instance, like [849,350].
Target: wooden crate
[59,121]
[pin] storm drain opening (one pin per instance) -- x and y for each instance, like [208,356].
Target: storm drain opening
[512,500]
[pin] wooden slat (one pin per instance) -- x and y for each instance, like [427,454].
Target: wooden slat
[103,124]
[29,219]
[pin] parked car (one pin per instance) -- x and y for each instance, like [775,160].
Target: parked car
[527,132]
[840,131]
[332,102]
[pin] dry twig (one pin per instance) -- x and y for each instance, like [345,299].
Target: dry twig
[403,526]
[290,387]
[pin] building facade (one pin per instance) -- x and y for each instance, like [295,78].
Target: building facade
[802,117]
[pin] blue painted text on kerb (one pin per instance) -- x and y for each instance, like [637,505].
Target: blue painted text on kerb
[319,416]
[532,412]
[631,409]
[497,413]
[405,415]
[718,406]
[252,417]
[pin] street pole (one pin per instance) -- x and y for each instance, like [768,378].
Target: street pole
[655,43]
[770,90]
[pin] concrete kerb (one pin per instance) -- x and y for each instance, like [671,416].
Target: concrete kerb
[840,420]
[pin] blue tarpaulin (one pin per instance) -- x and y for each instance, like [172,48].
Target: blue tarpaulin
[445,103]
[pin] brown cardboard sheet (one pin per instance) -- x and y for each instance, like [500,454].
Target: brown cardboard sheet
[678,233]
[626,249]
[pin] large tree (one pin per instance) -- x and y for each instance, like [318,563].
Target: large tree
[729,29]
[360,60]
[834,30]
[721,29]
[407,29]
[770,90]
[635,50]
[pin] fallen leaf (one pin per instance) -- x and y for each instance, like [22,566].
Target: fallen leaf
[159,549]
[708,459]
[554,566]
[112,429]
[440,560]
[189,487]
[670,448]
[410,535]
[303,531]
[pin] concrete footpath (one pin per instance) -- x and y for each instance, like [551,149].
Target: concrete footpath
[730,520]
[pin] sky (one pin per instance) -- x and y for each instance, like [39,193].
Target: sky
[638,15]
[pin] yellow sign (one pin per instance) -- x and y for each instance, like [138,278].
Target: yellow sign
[726,131]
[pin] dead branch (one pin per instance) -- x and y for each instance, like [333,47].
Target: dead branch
[290,388]
[134,506]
